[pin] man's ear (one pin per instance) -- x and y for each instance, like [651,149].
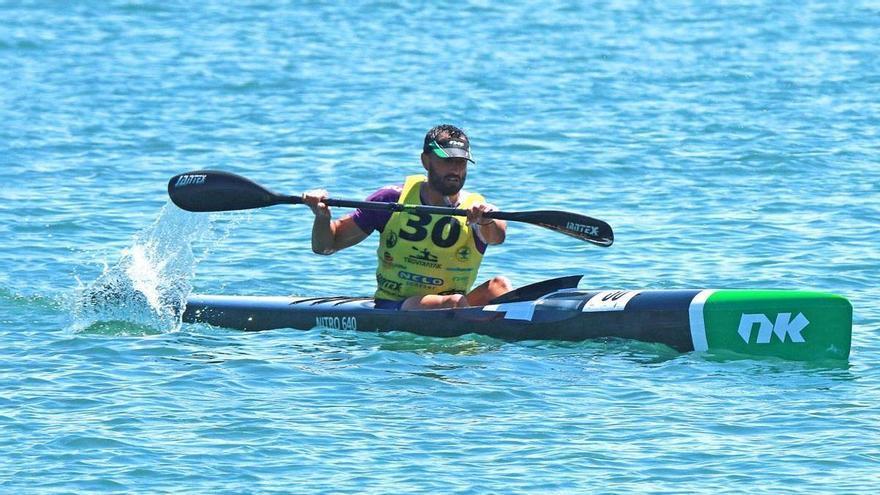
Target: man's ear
[426,161]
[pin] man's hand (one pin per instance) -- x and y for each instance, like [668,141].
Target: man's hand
[475,213]
[491,231]
[314,199]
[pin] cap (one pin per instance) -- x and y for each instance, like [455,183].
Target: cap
[446,147]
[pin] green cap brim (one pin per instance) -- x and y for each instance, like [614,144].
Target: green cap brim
[451,152]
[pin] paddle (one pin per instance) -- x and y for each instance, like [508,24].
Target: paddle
[212,190]
[534,291]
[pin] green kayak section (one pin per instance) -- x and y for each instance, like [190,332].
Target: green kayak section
[789,324]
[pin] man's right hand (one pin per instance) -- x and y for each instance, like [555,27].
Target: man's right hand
[314,199]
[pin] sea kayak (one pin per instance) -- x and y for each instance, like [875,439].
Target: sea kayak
[788,324]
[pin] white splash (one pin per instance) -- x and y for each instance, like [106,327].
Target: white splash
[146,290]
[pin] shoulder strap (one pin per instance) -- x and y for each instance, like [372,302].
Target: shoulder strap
[412,183]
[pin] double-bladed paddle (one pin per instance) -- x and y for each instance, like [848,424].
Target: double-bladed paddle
[213,190]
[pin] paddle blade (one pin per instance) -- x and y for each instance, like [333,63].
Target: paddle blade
[212,190]
[571,224]
[534,291]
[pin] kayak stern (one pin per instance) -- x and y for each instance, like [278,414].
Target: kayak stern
[789,324]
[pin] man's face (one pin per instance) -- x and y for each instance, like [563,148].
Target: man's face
[446,175]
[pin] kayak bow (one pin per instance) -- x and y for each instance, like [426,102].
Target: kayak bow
[788,324]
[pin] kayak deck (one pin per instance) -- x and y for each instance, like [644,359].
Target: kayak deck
[800,325]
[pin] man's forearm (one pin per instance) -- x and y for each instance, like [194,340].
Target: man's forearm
[323,237]
[493,232]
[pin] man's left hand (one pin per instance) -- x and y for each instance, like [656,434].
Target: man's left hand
[475,213]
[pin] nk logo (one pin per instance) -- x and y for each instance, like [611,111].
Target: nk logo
[784,327]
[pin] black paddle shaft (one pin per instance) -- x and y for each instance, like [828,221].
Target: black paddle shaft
[213,190]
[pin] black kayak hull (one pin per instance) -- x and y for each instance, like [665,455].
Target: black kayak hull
[801,325]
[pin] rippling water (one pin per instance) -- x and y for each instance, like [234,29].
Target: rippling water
[730,144]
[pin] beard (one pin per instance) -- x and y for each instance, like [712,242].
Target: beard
[442,183]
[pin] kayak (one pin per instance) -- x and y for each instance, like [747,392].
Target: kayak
[788,324]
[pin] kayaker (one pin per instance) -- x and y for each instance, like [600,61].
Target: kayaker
[424,261]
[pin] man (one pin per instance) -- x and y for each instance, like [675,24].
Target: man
[424,261]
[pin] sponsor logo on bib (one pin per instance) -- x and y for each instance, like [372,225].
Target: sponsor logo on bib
[420,279]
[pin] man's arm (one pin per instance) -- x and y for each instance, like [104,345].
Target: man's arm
[493,232]
[329,236]
[490,230]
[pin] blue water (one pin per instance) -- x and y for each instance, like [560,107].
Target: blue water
[730,144]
